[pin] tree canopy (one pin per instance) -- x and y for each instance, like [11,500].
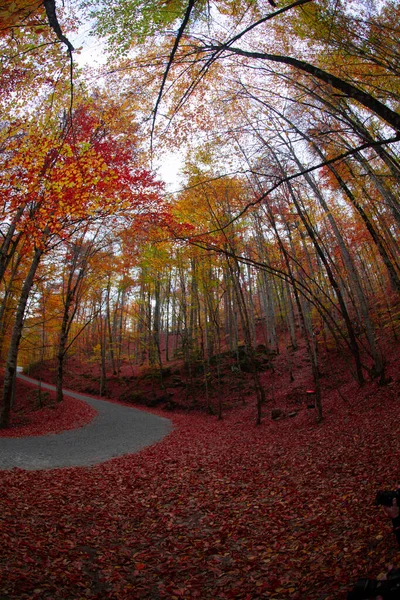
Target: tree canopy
[287,119]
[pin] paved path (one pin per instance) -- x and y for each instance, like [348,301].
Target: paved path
[115,431]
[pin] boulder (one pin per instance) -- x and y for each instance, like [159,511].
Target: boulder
[277,413]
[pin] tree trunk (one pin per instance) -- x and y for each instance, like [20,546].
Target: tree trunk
[352,272]
[393,277]
[9,246]
[11,364]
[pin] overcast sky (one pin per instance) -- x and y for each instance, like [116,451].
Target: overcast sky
[93,53]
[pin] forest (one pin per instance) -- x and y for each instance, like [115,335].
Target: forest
[252,299]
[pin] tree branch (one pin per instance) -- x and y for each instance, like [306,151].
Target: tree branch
[50,7]
[283,180]
[350,90]
[171,59]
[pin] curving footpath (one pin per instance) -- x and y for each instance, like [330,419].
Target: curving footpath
[115,431]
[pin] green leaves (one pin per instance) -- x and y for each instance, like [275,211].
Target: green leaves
[128,21]
[123,22]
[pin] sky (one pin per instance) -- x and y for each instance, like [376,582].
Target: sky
[93,53]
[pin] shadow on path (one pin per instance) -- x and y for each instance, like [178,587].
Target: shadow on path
[115,431]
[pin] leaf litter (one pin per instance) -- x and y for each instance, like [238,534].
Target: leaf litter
[218,509]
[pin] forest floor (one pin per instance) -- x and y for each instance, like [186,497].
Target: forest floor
[219,509]
[36,412]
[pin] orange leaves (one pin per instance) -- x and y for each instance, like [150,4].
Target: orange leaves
[208,205]
[18,12]
[86,172]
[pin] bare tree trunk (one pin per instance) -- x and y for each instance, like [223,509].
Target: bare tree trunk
[350,329]
[109,327]
[311,354]
[385,192]
[11,364]
[351,270]
[4,302]
[393,277]
[9,245]
[102,329]
[244,317]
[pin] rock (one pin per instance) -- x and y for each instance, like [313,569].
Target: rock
[158,400]
[261,348]
[277,413]
[177,382]
[171,405]
[89,389]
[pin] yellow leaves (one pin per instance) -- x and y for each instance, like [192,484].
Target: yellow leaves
[309,19]
[67,150]
[208,204]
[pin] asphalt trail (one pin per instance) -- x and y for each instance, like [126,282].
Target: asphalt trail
[115,431]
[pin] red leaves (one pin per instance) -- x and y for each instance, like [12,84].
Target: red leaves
[222,510]
[52,418]
[87,171]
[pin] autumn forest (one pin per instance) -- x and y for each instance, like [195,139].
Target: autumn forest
[251,299]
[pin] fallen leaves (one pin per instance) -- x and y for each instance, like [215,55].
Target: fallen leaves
[218,509]
[52,418]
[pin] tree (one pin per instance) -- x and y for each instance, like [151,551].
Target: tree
[84,174]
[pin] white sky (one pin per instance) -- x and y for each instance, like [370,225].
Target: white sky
[168,168]
[92,49]
[93,54]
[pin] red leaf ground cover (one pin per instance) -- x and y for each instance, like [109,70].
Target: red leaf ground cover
[218,509]
[28,419]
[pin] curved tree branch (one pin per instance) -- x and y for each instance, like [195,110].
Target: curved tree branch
[50,7]
[171,59]
[348,89]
